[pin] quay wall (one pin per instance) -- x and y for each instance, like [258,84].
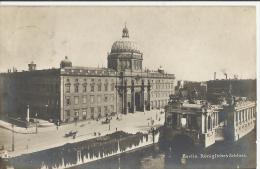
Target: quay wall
[83,152]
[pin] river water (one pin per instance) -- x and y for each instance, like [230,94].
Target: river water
[241,154]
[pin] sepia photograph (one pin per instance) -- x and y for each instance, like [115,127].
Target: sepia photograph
[128,87]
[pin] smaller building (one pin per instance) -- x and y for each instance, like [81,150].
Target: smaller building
[205,123]
[241,119]
[198,121]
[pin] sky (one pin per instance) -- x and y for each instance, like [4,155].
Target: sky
[190,42]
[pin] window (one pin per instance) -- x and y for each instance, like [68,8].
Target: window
[67,86]
[76,113]
[99,98]
[105,107]
[112,108]
[84,114]
[112,97]
[67,113]
[92,112]
[91,99]
[76,100]
[106,86]
[67,101]
[105,98]
[112,86]
[92,88]
[84,99]
[99,111]
[84,88]
[99,87]
[76,88]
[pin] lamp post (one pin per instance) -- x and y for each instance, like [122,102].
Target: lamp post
[36,123]
[58,123]
[28,114]
[12,137]
[46,111]
[46,108]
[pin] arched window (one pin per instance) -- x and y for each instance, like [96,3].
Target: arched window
[106,85]
[112,85]
[67,86]
[99,85]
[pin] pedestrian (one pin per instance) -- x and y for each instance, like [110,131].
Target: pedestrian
[109,127]
[116,128]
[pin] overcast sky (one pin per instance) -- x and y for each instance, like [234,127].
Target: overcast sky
[190,42]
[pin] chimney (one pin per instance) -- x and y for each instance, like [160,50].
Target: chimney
[215,75]
[31,66]
[225,75]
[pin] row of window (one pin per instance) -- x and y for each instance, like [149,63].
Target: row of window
[158,103]
[162,86]
[92,99]
[90,112]
[161,94]
[92,87]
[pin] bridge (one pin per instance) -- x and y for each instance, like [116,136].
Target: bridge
[206,124]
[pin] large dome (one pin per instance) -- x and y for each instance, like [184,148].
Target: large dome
[125,44]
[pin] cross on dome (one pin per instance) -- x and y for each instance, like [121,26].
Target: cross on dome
[125,32]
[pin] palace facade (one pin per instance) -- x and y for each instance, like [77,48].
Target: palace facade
[73,93]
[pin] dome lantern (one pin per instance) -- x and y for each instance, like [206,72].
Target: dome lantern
[65,63]
[125,33]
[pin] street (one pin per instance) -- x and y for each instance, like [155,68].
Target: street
[49,137]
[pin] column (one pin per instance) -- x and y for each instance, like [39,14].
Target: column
[28,114]
[148,96]
[178,120]
[189,122]
[243,115]
[239,117]
[246,114]
[216,122]
[142,97]
[235,117]
[133,98]
[211,125]
[217,118]
[206,123]
[125,99]
[249,115]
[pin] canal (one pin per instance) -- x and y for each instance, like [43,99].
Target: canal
[241,154]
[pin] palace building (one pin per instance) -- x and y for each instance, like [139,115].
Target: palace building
[73,93]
